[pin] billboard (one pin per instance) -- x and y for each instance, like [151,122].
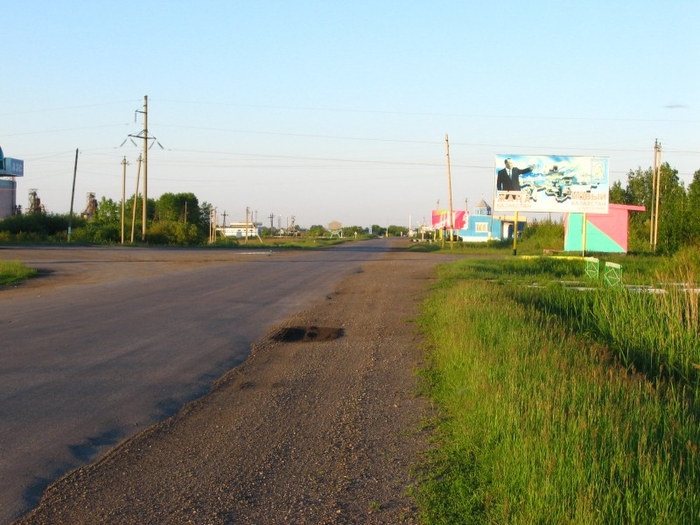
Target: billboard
[551,183]
[441,219]
[11,167]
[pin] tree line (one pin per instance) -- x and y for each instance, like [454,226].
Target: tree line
[679,209]
[176,219]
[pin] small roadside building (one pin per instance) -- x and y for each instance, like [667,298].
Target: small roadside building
[482,226]
[597,232]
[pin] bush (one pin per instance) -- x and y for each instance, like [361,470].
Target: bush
[172,233]
[40,225]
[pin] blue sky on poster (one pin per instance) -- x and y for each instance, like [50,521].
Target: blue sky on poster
[330,110]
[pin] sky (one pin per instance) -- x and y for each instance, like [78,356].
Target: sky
[339,111]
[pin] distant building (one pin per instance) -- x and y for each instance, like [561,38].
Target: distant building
[241,229]
[8,197]
[9,169]
[482,226]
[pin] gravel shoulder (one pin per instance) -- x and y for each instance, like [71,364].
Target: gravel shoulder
[321,430]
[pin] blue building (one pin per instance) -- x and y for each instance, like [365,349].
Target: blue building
[482,226]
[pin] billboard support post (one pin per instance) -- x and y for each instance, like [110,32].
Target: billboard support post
[515,235]
[584,235]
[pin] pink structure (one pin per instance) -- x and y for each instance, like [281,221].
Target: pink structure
[604,232]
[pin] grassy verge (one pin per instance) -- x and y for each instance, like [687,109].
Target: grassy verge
[541,420]
[12,272]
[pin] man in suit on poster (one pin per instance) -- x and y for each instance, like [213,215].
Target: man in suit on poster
[509,177]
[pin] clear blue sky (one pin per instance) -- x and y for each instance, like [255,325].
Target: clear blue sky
[330,110]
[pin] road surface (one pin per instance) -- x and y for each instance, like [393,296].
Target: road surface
[110,340]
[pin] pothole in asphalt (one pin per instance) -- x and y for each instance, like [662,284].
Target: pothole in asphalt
[307,334]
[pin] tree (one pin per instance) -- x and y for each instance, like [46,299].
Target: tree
[673,218]
[693,210]
[316,231]
[674,224]
[397,231]
[107,212]
[351,231]
[178,207]
[377,230]
[618,195]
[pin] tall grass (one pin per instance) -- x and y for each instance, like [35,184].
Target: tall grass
[540,424]
[14,271]
[654,331]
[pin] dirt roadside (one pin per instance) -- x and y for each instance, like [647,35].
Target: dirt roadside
[322,430]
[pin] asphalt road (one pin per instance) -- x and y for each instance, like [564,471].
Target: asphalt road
[84,367]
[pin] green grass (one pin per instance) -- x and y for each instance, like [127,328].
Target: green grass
[12,272]
[279,243]
[542,419]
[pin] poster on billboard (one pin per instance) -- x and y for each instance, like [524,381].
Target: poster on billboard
[441,219]
[551,183]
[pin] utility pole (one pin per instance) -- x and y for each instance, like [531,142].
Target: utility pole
[247,218]
[655,197]
[144,136]
[449,187]
[224,224]
[133,211]
[124,163]
[272,222]
[70,217]
[145,167]
[212,226]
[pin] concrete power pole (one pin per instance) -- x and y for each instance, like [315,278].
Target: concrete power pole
[145,167]
[144,136]
[247,220]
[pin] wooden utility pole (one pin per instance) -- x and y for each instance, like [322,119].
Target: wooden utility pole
[449,187]
[72,195]
[124,163]
[133,211]
[655,197]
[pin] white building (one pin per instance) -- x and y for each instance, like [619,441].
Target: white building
[241,229]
